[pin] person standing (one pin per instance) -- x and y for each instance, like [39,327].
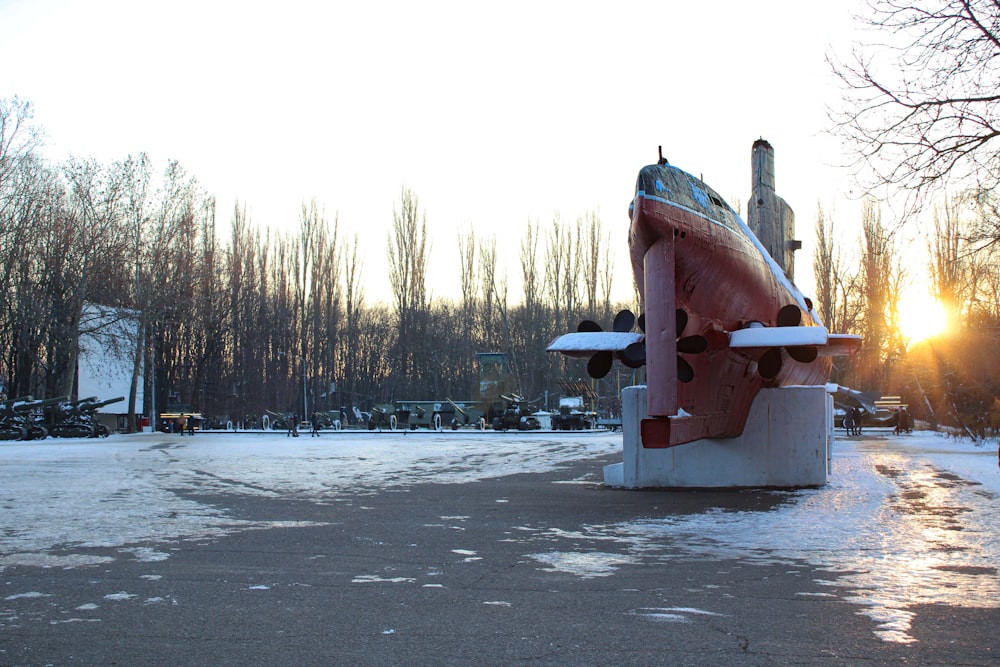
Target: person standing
[315,425]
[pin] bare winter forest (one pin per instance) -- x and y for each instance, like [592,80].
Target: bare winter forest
[236,317]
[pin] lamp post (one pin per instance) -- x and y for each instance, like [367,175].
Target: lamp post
[305,400]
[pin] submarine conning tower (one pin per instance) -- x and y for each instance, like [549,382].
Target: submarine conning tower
[769,216]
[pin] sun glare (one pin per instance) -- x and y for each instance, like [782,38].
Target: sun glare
[921,316]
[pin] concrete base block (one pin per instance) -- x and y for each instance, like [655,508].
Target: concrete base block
[786,444]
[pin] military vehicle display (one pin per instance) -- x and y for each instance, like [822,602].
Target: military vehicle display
[21,418]
[573,415]
[499,407]
[77,419]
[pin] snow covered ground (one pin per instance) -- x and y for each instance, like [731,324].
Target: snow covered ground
[904,520]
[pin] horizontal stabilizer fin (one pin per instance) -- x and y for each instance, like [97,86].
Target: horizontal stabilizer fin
[777,336]
[581,343]
[830,345]
[839,345]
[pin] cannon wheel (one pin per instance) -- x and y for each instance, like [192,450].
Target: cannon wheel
[437,421]
[392,422]
[15,432]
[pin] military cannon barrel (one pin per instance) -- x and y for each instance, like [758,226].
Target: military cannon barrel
[75,419]
[7,406]
[69,409]
[460,410]
[17,421]
[78,402]
[29,406]
[101,404]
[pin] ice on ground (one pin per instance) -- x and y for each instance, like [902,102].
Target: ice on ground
[904,520]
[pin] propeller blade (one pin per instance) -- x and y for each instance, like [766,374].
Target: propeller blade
[642,322]
[789,316]
[684,371]
[682,320]
[588,326]
[600,364]
[692,344]
[769,364]
[802,353]
[634,355]
[624,321]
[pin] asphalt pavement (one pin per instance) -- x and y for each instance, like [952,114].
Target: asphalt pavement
[503,571]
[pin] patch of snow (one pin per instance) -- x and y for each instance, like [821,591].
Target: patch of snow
[120,595]
[375,579]
[27,596]
[583,564]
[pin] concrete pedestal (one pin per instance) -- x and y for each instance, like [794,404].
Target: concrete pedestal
[786,444]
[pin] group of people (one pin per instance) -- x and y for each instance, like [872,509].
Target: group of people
[183,424]
[904,422]
[293,426]
[852,421]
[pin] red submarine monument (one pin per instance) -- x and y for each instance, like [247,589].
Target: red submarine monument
[737,361]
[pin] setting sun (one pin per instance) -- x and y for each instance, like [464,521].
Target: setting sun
[921,316]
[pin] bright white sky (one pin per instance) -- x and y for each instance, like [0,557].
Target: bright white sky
[493,114]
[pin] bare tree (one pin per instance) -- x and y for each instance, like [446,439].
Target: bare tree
[407,253]
[881,278]
[354,299]
[136,196]
[467,268]
[95,240]
[920,106]
[596,264]
[488,292]
[833,285]
[20,138]
[950,264]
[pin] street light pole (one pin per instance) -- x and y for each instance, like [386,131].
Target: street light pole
[305,400]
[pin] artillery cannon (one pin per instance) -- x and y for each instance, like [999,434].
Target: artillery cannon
[276,421]
[468,416]
[18,421]
[382,417]
[328,419]
[75,419]
[514,415]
